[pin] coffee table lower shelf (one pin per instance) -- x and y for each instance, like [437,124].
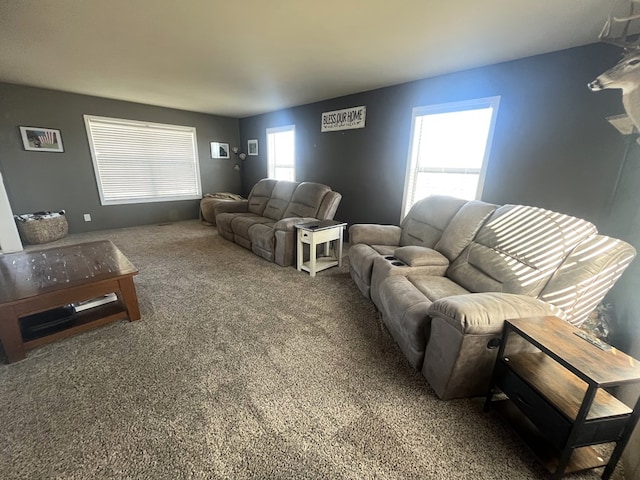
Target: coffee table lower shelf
[583,458]
[322,263]
[83,321]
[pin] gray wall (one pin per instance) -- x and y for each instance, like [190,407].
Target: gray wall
[552,146]
[54,181]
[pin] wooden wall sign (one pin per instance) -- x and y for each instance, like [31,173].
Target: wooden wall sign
[346,119]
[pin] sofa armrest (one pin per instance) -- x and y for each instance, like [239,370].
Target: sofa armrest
[373,234]
[240,206]
[416,256]
[288,224]
[329,205]
[485,313]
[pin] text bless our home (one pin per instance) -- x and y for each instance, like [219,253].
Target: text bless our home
[346,119]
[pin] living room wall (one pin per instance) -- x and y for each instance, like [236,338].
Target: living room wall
[552,148]
[38,181]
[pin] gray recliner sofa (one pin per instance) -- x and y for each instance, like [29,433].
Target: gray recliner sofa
[265,222]
[447,278]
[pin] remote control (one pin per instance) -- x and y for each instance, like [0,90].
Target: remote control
[594,341]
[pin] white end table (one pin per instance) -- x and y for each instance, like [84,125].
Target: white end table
[317,233]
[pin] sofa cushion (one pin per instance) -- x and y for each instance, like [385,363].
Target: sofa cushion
[427,219]
[434,287]
[463,227]
[384,250]
[518,250]
[386,266]
[223,222]
[415,256]
[373,234]
[586,275]
[279,201]
[260,194]
[241,224]
[306,200]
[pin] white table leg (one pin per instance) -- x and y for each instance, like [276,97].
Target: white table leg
[300,251]
[312,257]
[339,248]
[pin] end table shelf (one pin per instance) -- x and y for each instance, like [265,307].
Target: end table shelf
[555,381]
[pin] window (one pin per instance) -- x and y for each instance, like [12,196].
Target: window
[449,147]
[281,152]
[138,162]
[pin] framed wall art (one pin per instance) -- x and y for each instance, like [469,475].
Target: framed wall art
[39,139]
[219,150]
[252,147]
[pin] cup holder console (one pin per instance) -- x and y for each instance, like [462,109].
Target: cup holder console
[394,261]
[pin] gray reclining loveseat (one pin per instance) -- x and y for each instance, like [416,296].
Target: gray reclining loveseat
[265,222]
[447,278]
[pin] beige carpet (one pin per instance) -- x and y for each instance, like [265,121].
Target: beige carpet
[239,369]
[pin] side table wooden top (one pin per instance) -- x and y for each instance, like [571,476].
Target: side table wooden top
[603,367]
[28,274]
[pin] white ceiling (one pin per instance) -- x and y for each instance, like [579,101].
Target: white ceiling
[244,57]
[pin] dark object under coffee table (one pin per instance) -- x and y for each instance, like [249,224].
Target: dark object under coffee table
[41,280]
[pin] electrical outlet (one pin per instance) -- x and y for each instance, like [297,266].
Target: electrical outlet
[87,217]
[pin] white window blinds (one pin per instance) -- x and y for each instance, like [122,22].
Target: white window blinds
[450,145]
[137,162]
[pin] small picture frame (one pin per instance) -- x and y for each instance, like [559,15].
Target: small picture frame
[252,147]
[39,139]
[219,150]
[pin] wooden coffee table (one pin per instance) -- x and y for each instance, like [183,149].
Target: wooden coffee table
[36,281]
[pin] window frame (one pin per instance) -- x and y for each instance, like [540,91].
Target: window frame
[271,166]
[449,107]
[197,194]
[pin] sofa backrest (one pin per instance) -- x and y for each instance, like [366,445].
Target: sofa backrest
[280,199]
[427,219]
[463,228]
[329,206]
[586,275]
[306,200]
[260,194]
[517,250]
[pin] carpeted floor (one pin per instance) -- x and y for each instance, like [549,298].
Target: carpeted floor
[239,369]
